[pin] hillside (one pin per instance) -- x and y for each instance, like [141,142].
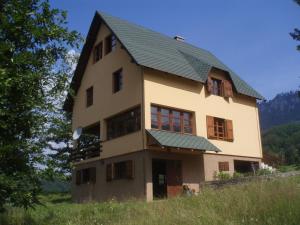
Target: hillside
[283,140]
[283,109]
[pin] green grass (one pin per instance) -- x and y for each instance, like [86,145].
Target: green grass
[288,168]
[259,202]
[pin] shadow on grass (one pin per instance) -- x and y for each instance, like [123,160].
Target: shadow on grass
[65,199]
[56,198]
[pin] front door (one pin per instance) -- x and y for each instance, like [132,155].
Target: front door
[174,178]
[159,178]
[166,178]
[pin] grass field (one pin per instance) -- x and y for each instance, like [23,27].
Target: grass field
[259,202]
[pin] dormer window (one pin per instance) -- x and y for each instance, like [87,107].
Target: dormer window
[110,43]
[98,52]
[219,87]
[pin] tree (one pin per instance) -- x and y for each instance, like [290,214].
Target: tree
[296,34]
[34,45]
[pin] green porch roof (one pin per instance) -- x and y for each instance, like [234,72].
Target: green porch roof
[177,140]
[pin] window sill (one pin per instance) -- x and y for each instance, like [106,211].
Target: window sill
[217,139]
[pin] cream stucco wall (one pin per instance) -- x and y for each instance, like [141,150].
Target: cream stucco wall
[165,89]
[106,104]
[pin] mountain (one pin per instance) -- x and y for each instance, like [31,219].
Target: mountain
[283,109]
[283,141]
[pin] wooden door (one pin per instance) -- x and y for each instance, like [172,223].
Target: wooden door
[174,178]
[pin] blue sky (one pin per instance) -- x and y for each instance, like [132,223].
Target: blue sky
[250,36]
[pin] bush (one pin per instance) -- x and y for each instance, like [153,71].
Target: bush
[238,175]
[223,176]
[262,172]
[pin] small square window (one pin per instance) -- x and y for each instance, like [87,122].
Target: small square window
[117,81]
[89,96]
[98,52]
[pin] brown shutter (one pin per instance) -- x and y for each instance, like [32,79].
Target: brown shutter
[129,169]
[210,127]
[209,85]
[229,130]
[78,177]
[93,174]
[227,87]
[109,172]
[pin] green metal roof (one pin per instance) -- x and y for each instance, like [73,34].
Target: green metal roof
[154,50]
[177,140]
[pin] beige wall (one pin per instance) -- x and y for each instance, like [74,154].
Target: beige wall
[106,104]
[172,91]
[211,164]
[192,169]
[116,189]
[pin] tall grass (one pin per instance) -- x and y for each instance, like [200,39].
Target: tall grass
[260,202]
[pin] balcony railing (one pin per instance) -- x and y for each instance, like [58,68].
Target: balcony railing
[88,146]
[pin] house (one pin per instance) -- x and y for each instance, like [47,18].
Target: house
[168,114]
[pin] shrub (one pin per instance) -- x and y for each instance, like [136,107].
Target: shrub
[237,175]
[261,172]
[223,176]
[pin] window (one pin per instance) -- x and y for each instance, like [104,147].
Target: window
[86,176]
[110,44]
[117,81]
[124,123]
[154,117]
[89,96]
[172,120]
[217,87]
[120,170]
[187,122]
[223,166]
[98,52]
[218,128]
[165,119]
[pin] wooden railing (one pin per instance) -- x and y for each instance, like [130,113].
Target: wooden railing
[86,147]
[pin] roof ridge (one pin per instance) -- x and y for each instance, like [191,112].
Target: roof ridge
[153,31]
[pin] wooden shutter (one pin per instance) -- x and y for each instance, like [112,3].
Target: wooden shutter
[227,87]
[78,177]
[93,174]
[229,130]
[223,166]
[109,172]
[210,127]
[209,85]
[129,169]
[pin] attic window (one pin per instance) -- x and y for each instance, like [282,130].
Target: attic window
[117,81]
[98,52]
[219,87]
[89,96]
[110,44]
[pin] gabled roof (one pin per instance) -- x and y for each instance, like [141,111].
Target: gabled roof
[185,141]
[157,51]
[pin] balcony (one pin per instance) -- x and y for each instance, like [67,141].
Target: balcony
[88,145]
